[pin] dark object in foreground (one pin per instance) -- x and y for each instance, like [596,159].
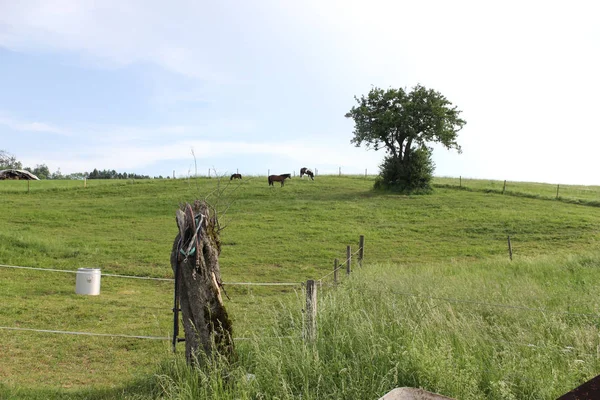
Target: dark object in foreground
[17,174]
[589,390]
[195,263]
[279,178]
[235,176]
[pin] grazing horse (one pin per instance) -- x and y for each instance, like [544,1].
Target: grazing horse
[310,174]
[279,178]
[236,176]
[303,171]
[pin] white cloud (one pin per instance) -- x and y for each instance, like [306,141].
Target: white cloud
[186,38]
[31,126]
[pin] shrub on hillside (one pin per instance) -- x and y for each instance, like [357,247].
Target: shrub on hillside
[413,177]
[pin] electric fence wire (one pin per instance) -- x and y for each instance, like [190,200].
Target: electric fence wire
[118,335]
[152,278]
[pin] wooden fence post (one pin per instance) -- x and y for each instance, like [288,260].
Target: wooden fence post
[365,173]
[316,172]
[361,249]
[268,172]
[173,174]
[509,249]
[176,310]
[348,259]
[335,270]
[311,310]
[557,187]
[460,181]
[340,171]
[504,187]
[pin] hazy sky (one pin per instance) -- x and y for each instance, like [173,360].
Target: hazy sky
[264,85]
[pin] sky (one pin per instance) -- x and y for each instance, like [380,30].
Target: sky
[185,87]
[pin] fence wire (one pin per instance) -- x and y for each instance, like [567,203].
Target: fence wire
[118,335]
[86,333]
[152,278]
[340,266]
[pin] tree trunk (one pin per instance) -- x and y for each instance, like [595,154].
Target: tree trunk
[195,253]
[407,151]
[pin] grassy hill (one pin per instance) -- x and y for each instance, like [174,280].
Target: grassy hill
[452,244]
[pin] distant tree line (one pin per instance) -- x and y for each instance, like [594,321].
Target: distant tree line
[112,174]
[9,161]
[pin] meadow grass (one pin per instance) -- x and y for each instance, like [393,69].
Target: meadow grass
[271,234]
[493,329]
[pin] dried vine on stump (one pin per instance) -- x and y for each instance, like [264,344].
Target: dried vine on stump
[196,253]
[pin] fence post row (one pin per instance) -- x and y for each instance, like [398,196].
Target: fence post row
[176,310]
[335,270]
[311,310]
[361,249]
[348,259]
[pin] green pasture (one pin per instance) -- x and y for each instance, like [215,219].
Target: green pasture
[271,234]
[568,193]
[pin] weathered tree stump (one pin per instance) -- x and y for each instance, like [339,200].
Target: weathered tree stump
[195,260]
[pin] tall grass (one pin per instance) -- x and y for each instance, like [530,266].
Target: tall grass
[523,330]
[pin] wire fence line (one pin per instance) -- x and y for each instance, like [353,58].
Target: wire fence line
[152,278]
[85,333]
[118,335]
[340,266]
[331,272]
[567,350]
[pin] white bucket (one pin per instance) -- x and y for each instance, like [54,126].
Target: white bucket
[88,281]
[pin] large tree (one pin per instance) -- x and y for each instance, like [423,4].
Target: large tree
[8,161]
[42,171]
[404,123]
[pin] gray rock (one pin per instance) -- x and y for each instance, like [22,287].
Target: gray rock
[406,393]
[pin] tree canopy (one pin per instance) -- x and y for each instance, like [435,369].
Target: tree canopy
[9,161]
[399,121]
[402,122]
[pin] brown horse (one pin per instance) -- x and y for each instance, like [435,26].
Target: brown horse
[236,176]
[279,178]
[303,171]
[310,174]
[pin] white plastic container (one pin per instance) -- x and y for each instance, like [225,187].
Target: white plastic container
[88,281]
